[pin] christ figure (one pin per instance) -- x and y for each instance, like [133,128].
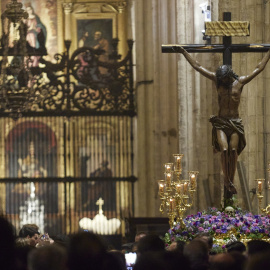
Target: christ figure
[228,135]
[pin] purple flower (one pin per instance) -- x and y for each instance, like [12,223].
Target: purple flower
[218,222]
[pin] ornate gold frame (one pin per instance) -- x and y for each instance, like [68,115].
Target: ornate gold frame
[91,16]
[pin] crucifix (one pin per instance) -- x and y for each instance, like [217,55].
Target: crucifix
[100,202]
[228,136]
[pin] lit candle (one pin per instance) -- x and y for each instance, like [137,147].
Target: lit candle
[193,180]
[168,167]
[185,188]
[171,204]
[178,164]
[178,188]
[168,179]
[161,188]
[260,186]
[181,188]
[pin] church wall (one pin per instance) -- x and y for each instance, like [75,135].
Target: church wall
[195,95]
[156,86]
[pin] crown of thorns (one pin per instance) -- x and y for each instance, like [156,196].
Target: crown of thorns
[225,71]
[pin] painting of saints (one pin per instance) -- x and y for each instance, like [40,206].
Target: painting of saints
[99,37]
[36,31]
[32,153]
[30,166]
[93,190]
[42,25]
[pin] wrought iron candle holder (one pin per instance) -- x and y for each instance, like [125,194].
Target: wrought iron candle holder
[259,192]
[176,194]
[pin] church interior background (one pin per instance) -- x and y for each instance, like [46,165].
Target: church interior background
[81,143]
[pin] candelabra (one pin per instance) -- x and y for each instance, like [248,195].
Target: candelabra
[176,194]
[259,192]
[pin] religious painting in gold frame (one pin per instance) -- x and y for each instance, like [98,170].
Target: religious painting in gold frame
[89,27]
[45,18]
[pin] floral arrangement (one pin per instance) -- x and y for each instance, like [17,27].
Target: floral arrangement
[242,226]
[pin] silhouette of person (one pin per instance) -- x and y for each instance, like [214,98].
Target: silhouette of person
[103,171]
[93,190]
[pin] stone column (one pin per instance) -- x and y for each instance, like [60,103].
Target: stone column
[196,96]
[156,87]
[67,10]
[122,28]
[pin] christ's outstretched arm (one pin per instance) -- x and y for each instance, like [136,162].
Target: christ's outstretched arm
[246,79]
[195,64]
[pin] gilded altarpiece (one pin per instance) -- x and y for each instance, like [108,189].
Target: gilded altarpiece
[76,146]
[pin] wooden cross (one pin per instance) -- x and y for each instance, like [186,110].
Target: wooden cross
[100,202]
[227,48]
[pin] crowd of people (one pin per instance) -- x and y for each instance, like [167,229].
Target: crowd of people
[29,250]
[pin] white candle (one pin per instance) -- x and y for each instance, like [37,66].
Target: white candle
[260,186]
[168,167]
[178,163]
[185,188]
[193,180]
[161,188]
[171,204]
[181,188]
[178,188]
[168,179]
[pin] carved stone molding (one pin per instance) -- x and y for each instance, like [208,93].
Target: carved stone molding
[114,7]
[120,5]
[67,7]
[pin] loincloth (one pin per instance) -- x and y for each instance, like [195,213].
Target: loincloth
[229,126]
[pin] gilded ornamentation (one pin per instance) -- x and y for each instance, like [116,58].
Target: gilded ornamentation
[227,28]
[176,194]
[259,193]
